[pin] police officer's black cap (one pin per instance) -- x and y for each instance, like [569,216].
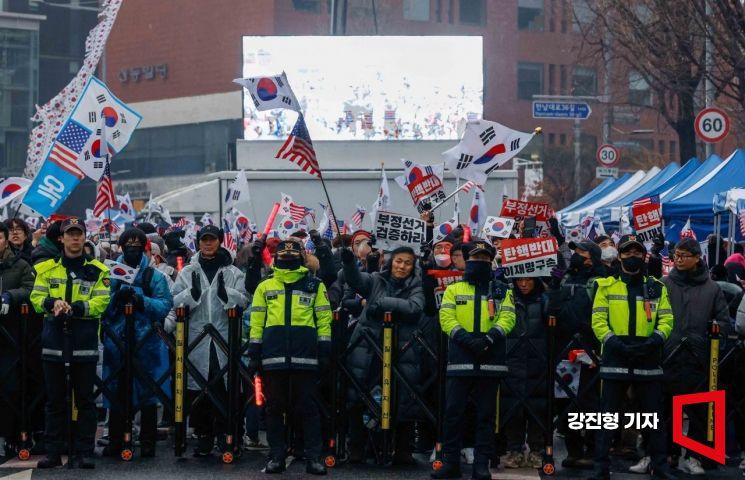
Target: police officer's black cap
[71,223]
[478,245]
[212,230]
[289,248]
[629,241]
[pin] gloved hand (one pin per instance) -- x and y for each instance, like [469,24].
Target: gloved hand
[477,345]
[347,257]
[222,293]
[254,364]
[123,296]
[196,286]
[658,243]
[5,303]
[616,345]
[315,237]
[653,344]
[139,302]
[373,261]
[557,274]
[553,227]
[387,304]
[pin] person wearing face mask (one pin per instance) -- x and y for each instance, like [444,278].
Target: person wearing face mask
[632,318]
[397,289]
[290,341]
[150,296]
[209,285]
[570,301]
[696,300]
[432,271]
[608,254]
[175,248]
[476,314]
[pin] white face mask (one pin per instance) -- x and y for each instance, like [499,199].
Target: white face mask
[443,260]
[608,254]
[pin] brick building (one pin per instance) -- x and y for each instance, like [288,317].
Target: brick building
[174,62]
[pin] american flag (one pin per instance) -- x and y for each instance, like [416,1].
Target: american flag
[107,226]
[299,212]
[646,201]
[667,263]
[469,185]
[68,146]
[183,221]
[358,216]
[310,246]
[298,148]
[105,197]
[228,242]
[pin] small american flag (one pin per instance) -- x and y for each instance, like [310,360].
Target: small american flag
[229,243]
[107,226]
[358,216]
[667,263]
[105,197]
[298,148]
[299,212]
[68,147]
[646,201]
[469,185]
[183,221]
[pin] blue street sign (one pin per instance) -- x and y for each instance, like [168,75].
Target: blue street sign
[561,109]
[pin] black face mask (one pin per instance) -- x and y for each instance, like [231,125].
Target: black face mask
[576,262]
[632,264]
[132,255]
[477,271]
[289,264]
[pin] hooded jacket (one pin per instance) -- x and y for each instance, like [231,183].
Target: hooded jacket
[151,355]
[208,309]
[405,300]
[696,300]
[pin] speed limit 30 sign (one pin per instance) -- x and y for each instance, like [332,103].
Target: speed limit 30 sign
[712,125]
[607,155]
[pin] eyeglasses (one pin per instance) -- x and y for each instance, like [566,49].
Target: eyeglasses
[16,230]
[678,256]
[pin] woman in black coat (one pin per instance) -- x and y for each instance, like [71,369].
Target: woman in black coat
[524,388]
[396,289]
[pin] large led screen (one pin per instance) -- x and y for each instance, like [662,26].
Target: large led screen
[369,87]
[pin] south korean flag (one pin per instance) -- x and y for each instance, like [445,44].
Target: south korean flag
[499,227]
[102,114]
[120,271]
[269,93]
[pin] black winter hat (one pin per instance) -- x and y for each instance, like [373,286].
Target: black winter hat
[131,233]
[210,230]
[588,246]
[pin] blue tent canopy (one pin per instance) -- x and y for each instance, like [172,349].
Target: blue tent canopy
[710,164]
[695,201]
[604,185]
[589,201]
[665,174]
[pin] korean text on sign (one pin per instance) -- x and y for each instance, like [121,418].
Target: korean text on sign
[529,257]
[395,230]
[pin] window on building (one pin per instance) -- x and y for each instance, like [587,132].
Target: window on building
[551,138]
[530,15]
[417,10]
[582,15]
[639,91]
[584,81]
[529,80]
[661,147]
[674,151]
[562,80]
[552,79]
[562,139]
[473,12]
[307,5]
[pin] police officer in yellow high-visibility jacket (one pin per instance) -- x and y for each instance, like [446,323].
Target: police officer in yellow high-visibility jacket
[476,356]
[291,340]
[632,318]
[74,292]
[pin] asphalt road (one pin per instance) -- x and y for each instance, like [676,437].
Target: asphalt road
[165,466]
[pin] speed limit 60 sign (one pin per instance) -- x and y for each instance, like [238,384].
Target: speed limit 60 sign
[607,155]
[712,125]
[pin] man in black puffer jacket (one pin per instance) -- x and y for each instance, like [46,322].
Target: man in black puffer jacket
[696,300]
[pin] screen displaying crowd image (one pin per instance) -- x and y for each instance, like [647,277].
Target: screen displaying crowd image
[369,87]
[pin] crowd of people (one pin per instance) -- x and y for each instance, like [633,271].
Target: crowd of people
[607,307]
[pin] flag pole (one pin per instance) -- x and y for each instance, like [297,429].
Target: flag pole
[448,197]
[331,207]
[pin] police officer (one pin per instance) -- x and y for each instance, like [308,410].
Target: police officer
[476,356]
[632,318]
[73,290]
[290,339]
